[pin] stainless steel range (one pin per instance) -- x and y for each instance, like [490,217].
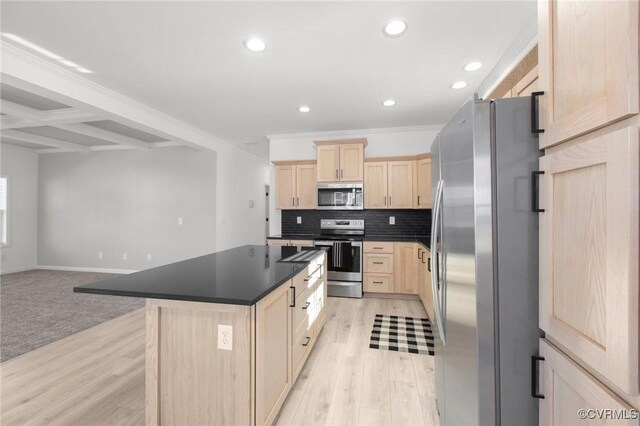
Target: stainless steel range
[343,239]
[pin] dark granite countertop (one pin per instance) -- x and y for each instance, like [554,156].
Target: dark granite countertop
[240,276]
[425,240]
[294,237]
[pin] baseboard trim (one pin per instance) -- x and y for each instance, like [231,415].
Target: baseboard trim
[82,269]
[13,271]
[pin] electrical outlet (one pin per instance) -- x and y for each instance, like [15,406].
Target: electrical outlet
[180,221]
[252,204]
[100,255]
[225,337]
[392,220]
[149,257]
[124,256]
[299,220]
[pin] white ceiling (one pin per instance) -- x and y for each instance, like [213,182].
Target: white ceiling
[187,58]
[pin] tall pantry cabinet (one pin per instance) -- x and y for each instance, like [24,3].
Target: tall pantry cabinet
[589,194]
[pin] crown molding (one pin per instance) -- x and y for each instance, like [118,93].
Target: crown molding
[527,38]
[356,132]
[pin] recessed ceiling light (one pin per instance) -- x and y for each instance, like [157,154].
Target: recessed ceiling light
[459,85]
[255,44]
[69,63]
[473,66]
[395,28]
[389,103]
[32,46]
[304,109]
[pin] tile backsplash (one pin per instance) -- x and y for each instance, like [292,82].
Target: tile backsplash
[376,222]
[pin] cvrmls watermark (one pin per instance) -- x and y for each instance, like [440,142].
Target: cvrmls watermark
[608,414]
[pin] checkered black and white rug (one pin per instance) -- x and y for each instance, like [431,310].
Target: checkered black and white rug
[402,334]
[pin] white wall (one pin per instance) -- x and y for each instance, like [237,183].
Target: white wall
[126,201]
[20,165]
[241,179]
[381,143]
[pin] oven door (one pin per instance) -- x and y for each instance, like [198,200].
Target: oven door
[352,270]
[340,196]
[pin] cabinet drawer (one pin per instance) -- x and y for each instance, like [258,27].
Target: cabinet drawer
[378,283]
[378,246]
[301,346]
[307,278]
[568,390]
[303,306]
[378,263]
[302,243]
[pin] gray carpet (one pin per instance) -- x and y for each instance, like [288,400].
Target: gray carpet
[39,307]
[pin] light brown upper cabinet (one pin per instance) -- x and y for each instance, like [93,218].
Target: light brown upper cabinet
[375,185]
[295,185]
[341,161]
[389,184]
[400,184]
[589,296]
[588,66]
[527,85]
[423,183]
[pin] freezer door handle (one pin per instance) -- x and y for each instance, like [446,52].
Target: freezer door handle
[435,226]
[534,376]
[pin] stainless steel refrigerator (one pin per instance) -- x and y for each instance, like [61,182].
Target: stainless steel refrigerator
[484,268]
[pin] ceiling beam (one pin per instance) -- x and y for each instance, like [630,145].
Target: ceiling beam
[43,140]
[106,135]
[48,118]
[21,111]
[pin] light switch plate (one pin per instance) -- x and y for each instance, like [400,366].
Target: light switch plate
[225,337]
[392,220]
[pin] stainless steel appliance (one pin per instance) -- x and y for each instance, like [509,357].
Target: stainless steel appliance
[343,239]
[485,264]
[340,196]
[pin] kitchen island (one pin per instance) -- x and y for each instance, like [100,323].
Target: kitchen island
[227,333]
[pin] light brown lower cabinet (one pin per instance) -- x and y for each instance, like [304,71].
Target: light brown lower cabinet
[572,396]
[589,295]
[406,268]
[189,380]
[298,243]
[424,281]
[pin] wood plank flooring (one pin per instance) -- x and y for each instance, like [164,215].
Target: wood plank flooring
[96,376]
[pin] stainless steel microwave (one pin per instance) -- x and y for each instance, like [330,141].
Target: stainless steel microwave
[340,196]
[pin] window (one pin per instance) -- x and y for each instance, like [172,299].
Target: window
[3,211]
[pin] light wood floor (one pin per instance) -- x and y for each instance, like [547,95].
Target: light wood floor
[96,376]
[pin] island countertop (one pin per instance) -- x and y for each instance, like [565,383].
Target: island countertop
[240,276]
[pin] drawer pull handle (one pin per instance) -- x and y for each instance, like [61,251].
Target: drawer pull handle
[534,376]
[535,191]
[308,340]
[377,248]
[535,119]
[293,302]
[306,305]
[378,282]
[378,263]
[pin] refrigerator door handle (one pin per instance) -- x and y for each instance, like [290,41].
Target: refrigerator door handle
[435,226]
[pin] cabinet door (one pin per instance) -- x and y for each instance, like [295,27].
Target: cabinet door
[423,184]
[273,353]
[278,242]
[328,157]
[352,162]
[400,184]
[375,185]
[306,192]
[589,252]
[428,291]
[528,84]
[405,268]
[568,390]
[421,277]
[285,187]
[588,65]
